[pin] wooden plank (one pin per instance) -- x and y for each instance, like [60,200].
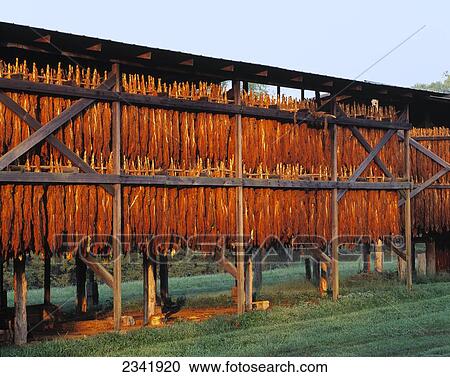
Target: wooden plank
[240,252]
[52,126]
[188,105]
[20,302]
[386,137]
[171,181]
[334,216]
[47,277]
[98,269]
[415,144]
[431,138]
[51,139]
[117,204]
[407,208]
[418,189]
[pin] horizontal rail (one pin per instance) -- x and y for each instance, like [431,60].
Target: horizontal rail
[164,180]
[190,106]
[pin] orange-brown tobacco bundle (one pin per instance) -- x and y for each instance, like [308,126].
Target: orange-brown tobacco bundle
[431,211]
[381,113]
[369,213]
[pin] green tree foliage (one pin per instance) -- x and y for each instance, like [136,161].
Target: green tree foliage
[438,86]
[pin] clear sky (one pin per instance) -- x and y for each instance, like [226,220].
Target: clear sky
[340,38]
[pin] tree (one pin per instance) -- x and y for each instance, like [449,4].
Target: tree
[438,86]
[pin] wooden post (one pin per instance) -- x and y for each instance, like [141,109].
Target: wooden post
[379,256]
[431,258]
[257,268]
[315,272]
[366,256]
[323,283]
[117,206]
[47,275]
[163,277]
[80,273]
[148,262]
[334,217]
[249,284]
[408,230]
[401,269]
[3,296]
[421,264]
[239,205]
[90,291]
[20,302]
[279,91]
[308,268]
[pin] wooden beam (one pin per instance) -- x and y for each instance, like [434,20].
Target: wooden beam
[52,126]
[47,278]
[20,302]
[240,252]
[228,267]
[98,269]
[334,216]
[178,181]
[386,137]
[51,139]
[148,262]
[407,208]
[191,106]
[117,204]
[80,274]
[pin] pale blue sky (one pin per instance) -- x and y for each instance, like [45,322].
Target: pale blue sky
[340,38]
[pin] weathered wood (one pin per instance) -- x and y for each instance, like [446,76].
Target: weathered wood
[148,262]
[228,267]
[421,264]
[163,277]
[20,302]
[97,268]
[188,105]
[334,216]
[308,268]
[52,126]
[165,180]
[432,138]
[418,189]
[257,275]
[35,125]
[386,137]
[240,252]
[323,284]
[47,279]
[401,269]
[407,209]
[249,283]
[379,256]
[80,274]
[366,256]
[90,290]
[431,257]
[117,203]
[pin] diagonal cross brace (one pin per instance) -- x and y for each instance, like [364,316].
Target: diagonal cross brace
[44,132]
[426,184]
[53,140]
[387,136]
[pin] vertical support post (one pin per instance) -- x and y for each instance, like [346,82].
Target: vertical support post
[279,91]
[379,256]
[90,291]
[117,206]
[334,216]
[323,282]
[302,94]
[239,205]
[3,297]
[421,264]
[249,283]
[366,257]
[401,269]
[163,277]
[20,301]
[308,268]
[431,257]
[80,272]
[408,230]
[148,262]
[258,271]
[47,275]
[318,99]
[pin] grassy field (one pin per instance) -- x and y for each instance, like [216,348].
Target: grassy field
[374,317]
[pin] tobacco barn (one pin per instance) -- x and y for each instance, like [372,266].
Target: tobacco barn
[109,148]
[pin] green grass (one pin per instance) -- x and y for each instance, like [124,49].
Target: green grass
[375,316]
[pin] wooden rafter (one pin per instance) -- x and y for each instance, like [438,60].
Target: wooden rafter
[55,142]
